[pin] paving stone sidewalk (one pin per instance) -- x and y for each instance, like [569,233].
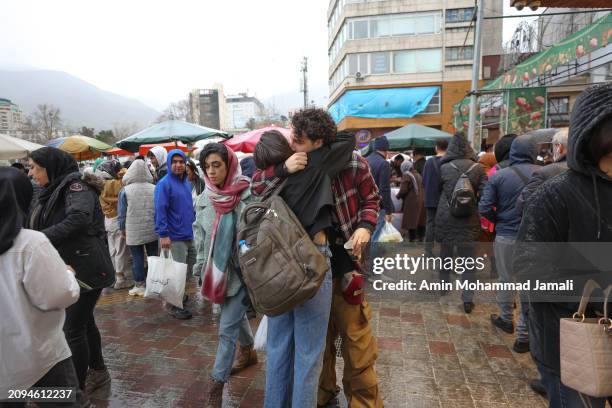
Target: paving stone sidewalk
[431,354]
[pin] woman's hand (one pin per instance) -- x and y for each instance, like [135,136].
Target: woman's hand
[296,162]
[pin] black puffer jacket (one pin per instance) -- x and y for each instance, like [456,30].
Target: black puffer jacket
[448,227]
[574,207]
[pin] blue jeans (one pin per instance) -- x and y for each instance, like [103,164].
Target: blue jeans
[504,257]
[138,259]
[233,325]
[295,346]
[560,396]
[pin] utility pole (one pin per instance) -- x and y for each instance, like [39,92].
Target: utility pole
[304,89]
[473,136]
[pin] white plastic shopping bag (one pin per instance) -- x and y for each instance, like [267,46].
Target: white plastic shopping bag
[166,279]
[389,234]
[262,334]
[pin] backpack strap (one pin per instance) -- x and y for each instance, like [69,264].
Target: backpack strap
[522,176]
[464,172]
[279,188]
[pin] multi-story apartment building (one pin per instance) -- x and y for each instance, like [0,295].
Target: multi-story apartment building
[240,109]
[208,108]
[381,45]
[10,118]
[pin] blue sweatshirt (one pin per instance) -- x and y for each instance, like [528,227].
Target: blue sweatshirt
[174,214]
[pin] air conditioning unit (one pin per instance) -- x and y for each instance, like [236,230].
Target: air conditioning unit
[358,76]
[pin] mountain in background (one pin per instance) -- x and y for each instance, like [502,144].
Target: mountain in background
[80,103]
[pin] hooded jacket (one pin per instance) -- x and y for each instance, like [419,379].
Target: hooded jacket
[174,213]
[449,228]
[136,205]
[571,207]
[161,155]
[498,202]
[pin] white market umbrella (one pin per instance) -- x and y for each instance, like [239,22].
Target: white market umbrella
[15,148]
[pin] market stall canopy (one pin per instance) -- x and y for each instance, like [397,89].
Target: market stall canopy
[383,103]
[81,147]
[246,142]
[412,136]
[115,151]
[170,131]
[15,148]
[144,149]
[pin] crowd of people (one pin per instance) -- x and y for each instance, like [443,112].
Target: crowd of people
[67,235]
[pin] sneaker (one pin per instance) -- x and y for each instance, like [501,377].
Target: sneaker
[122,283]
[498,322]
[96,379]
[137,291]
[520,346]
[181,314]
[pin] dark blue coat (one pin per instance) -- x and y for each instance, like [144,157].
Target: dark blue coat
[498,202]
[431,181]
[381,171]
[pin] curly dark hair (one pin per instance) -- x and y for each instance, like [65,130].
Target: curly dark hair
[315,124]
[211,148]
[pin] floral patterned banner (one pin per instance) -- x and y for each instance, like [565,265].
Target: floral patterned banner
[523,110]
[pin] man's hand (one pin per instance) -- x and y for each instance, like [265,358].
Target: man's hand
[165,243]
[296,162]
[388,217]
[360,237]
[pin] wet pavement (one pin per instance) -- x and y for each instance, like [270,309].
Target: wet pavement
[431,354]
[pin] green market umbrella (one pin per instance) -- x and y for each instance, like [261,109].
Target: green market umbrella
[412,136]
[170,131]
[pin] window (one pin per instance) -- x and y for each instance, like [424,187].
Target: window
[358,63]
[459,53]
[380,62]
[434,104]
[558,106]
[394,25]
[459,15]
[360,28]
[414,61]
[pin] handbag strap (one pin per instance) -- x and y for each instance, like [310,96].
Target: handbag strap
[589,287]
[606,319]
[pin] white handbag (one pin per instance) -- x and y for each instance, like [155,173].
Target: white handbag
[166,279]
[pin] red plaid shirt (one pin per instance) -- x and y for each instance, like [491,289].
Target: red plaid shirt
[355,194]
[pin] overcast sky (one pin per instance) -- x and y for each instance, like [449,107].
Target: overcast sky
[157,50]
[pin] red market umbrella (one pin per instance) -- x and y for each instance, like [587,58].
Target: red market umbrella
[144,149]
[115,151]
[246,142]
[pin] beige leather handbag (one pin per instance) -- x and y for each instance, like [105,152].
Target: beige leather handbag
[586,348]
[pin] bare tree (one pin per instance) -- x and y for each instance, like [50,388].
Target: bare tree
[30,130]
[123,130]
[47,118]
[176,111]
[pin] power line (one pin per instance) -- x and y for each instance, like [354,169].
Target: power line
[548,14]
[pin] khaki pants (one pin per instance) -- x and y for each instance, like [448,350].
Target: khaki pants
[359,351]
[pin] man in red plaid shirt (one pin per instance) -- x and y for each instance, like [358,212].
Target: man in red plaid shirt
[357,204]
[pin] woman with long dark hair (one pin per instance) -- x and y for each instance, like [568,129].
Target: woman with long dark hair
[218,210]
[68,212]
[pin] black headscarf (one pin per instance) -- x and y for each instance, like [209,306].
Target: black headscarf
[15,197]
[58,164]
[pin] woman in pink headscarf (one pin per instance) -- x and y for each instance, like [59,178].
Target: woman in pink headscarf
[218,210]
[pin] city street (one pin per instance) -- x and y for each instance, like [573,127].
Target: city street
[431,355]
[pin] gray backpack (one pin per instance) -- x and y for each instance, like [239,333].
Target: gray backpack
[282,267]
[463,198]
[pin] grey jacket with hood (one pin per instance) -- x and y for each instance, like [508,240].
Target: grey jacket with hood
[573,207]
[498,202]
[449,228]
[136,205]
